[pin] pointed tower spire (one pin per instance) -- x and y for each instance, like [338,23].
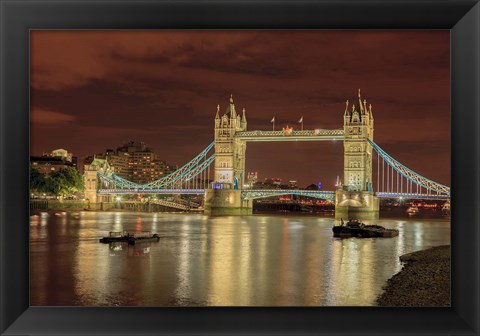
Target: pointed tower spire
[243,123]
[360,101]
[346,107]
[231,108]
[218,110]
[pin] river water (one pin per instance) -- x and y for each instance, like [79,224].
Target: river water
[259,260]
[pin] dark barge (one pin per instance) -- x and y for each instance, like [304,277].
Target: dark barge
[354,228]
[130,238]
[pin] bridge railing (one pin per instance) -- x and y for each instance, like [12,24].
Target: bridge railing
[151,191]
[306,133]
[248,194]
[412,196]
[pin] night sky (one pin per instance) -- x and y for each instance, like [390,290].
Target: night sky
[93,90]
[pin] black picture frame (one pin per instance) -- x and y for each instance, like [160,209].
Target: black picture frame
[18,17]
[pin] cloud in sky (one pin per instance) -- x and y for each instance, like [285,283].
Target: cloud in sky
[163,87]
[44,116]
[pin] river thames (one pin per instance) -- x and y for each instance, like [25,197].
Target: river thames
[259,260]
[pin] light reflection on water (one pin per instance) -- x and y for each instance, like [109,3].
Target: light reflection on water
[261,260]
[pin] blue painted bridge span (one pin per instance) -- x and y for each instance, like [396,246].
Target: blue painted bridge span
[250,194]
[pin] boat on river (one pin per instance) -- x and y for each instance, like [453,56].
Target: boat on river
[355,228]
[129,237]
[413,210]
[446,208]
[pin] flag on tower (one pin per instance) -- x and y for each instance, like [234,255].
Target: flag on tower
[273,120]
[301,122]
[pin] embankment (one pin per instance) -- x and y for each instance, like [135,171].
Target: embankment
[424,280]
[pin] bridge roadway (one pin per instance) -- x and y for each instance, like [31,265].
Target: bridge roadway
[246,194]
[412,196]
[151,191]
[263,193]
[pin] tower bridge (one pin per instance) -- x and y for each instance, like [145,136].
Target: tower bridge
[358,195]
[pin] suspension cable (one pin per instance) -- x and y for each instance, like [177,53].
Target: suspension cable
[378,172]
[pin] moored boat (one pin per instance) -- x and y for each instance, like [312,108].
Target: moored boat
[446,208]
[130,238]
[355,228]
[412,210]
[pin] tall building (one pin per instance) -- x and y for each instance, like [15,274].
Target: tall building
[119,160]
[133,146]
[136,162]
[147,167]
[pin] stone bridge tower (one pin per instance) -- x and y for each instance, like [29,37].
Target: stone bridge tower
[92,182]
[229,150]
[355,197]
[224,196]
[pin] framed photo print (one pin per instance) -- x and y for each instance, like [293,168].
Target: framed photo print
[239,168]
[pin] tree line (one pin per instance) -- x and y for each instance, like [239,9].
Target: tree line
[62,182]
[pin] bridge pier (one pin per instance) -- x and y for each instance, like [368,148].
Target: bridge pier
[226,202]
[356,204]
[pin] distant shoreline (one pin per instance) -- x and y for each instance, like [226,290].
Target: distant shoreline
[424,281]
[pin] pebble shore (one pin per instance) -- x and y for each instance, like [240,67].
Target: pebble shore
[424,280]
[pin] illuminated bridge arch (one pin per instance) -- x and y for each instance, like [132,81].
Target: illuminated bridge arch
[189,175]
[264,193]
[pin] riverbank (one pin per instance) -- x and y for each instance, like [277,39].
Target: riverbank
[37,205]
[424,280]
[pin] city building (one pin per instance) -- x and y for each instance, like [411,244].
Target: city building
[48,164]
[121,162]
[55,160]
[61,153]
[133,146]
[136,162]
[147,167]
[312,186]
[252,178]
[275,182]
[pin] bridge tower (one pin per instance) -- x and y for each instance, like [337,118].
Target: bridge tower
[224,196]
[92,182]
[355,198]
